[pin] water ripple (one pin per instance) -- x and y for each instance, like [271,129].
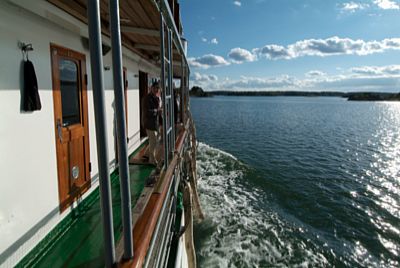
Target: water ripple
[315,182]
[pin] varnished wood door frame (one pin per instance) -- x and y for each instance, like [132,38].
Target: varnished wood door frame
[66,198]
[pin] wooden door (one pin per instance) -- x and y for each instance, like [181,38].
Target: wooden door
[70,123]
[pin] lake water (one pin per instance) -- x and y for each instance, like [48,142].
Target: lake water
[298,182]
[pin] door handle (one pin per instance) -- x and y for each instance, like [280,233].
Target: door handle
[59,130]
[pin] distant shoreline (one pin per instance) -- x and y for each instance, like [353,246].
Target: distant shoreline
[279,93]
[351,96]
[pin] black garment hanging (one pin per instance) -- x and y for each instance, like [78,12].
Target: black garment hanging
[31,100]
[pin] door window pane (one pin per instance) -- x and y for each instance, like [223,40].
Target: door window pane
[69,84]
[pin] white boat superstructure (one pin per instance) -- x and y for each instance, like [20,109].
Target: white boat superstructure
[51,158]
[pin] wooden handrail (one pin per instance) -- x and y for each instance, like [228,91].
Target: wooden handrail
[146,224]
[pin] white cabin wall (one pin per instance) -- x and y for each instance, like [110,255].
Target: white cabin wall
[109,107]
[29,185]
[133,103]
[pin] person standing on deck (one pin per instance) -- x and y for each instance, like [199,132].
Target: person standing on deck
[152,110]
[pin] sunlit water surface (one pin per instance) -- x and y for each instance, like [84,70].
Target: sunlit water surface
[298,182]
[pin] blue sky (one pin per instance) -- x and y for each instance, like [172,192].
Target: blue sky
[293,44]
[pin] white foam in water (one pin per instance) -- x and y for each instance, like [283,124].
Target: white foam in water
[243,235]
[204,147]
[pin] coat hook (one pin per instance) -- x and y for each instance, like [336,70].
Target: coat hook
[25,48]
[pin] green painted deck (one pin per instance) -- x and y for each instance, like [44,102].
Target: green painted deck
[78,240]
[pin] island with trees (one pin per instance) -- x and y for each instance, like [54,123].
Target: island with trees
[199,92]
[351,96]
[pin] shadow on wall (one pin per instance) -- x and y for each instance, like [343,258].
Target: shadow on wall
[21,87]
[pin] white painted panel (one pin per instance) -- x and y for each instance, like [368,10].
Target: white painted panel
[133,103]
[110,114]
[29,190]
[134,116]
[29,187]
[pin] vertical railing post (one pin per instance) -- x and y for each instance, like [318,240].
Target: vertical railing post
[96,60]
[121,128]
[181,100]
[163,87]
[187,81]
[171,88]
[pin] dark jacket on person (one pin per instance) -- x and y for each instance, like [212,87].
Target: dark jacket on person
[151,104]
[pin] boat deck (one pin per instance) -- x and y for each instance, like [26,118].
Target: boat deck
[78,240]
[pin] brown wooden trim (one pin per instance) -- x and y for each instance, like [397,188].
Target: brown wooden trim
[86,123]
[80,12]
[181,139]
[56,104]
[72,8]
[66,52]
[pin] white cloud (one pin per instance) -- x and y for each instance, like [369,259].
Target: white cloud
[364,78]
[388,70]
[207,61]
[315,73]
[198,77]
[213,41]
[256,83]
[283,82]
[239,55]
[327,47]
[353,6]
[237,3]
[380,4]
[205,81]
[273,52]
[386,4]
[356,83]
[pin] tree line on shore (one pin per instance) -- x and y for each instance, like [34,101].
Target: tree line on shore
[351,96]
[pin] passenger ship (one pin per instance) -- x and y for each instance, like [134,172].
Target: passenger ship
[75,191]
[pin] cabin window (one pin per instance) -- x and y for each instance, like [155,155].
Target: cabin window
[69,85]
